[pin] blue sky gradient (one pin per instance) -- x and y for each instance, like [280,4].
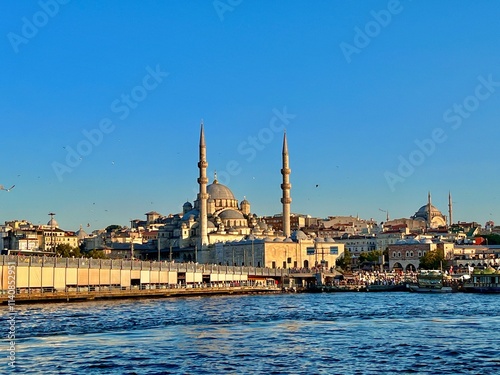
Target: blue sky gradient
[412,69]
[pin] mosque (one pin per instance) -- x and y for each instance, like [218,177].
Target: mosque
[218,229]
[431,216]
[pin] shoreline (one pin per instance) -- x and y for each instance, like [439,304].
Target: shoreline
[68,297]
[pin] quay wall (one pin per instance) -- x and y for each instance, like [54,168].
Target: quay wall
[52,274]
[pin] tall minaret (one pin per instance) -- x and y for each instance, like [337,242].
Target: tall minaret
[203,196]
[286,187]
[450,209]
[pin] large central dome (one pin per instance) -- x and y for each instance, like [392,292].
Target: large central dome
[422,212]
[219,191]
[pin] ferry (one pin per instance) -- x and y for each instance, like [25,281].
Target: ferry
[432,281]
[486,281]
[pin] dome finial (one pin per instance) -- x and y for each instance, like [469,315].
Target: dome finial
[215,177]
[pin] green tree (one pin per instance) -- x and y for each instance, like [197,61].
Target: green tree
[432,260]
[371,256]
[113,228]
[66,251]
[346,261]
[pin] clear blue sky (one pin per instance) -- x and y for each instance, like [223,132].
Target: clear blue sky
[362,83]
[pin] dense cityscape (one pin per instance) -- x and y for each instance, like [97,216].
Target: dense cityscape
[219,229]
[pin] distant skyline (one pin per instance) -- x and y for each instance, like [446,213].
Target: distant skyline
[382,102]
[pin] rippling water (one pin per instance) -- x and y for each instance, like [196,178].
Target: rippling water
[336,333]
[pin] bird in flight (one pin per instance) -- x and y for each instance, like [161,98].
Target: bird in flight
[9,189]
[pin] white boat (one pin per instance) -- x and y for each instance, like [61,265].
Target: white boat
[431,281]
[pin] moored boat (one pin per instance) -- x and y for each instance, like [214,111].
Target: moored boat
[486,281]
[432,281]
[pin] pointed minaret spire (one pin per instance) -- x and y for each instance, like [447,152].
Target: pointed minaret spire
[286,187]
[450,208]
[203,196]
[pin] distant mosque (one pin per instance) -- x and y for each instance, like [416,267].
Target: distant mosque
[431,216]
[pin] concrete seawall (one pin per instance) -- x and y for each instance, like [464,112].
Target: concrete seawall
[30,279]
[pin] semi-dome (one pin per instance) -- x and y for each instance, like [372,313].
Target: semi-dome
[231,214]
[219,191]
[194,213]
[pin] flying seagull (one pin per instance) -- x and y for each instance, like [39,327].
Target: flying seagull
[9,189]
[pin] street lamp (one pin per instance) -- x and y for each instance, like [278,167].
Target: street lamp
[253,255]
[52,247]
[159,246]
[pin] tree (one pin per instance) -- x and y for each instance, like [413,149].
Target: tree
[113,228]
[66,251]
[432,260]
[346,261]
[371,256]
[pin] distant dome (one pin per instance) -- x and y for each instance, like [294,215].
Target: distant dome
[262,225]
[426,241]
[53,223]
[219,191]
[187,205]
[81,234]
[320,239]
[231,214]
[329,239]
[298,235]
[277,239]
[400,242]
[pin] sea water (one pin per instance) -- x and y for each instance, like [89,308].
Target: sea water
[331,333]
